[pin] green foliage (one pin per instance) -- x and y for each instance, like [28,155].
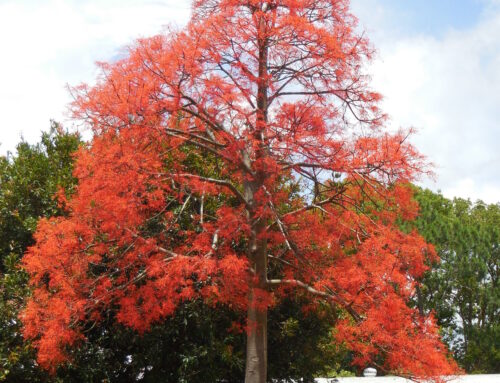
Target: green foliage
[301,345]
[29,180]
[201,343]
[194,345]
[463,288]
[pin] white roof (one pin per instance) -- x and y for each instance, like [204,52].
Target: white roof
[492,378]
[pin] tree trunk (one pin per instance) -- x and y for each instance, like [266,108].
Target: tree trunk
[256,355]
[256,358]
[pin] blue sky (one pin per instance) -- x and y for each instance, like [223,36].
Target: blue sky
[437,65]
[433,17]
[425,17]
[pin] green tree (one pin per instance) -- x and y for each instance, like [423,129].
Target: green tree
[463,288]
[29,179]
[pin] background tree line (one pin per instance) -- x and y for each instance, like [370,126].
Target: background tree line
[203,343]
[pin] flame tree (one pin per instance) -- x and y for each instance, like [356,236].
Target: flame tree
[274,93]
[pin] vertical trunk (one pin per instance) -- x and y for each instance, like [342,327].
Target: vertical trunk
[256,355]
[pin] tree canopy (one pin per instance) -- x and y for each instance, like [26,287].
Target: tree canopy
[463,288]
[302,197]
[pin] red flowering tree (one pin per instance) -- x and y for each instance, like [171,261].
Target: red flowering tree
[273,95]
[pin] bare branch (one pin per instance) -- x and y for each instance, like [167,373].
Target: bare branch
[215,181]
[329,296]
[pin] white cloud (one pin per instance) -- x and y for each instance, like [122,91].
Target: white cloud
[48,44]
[448,87]
[467,187]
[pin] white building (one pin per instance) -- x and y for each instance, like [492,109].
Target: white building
[493,378]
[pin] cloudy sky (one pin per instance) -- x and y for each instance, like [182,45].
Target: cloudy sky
[438,66]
